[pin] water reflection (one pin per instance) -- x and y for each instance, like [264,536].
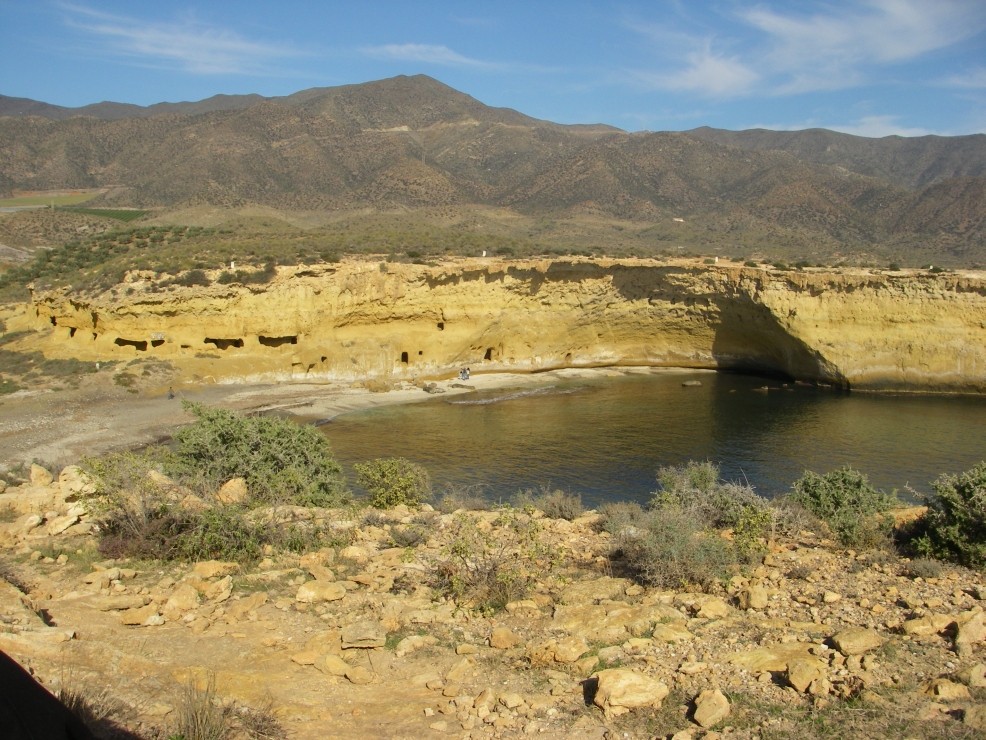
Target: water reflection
[606,438]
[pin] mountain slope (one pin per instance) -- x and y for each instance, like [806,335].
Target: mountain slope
[911,162]
[412,142]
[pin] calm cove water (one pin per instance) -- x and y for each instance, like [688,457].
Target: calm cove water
[606,438]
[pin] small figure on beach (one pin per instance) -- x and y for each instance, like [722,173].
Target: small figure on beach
[171,394]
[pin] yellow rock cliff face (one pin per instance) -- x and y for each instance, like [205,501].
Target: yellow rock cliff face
[358,320]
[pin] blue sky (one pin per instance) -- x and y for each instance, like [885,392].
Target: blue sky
[874,67]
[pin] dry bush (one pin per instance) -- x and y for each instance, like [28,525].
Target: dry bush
[463,498]
[676,541]
[200,715]
[488,569]
[104,715]
[555,504]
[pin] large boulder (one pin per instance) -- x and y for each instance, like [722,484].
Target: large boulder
[711,708]
[619,690]
[589,592]
[40,477]
[857,640]
[367,634]
[313,592]
[233,491]
[214,569]
[504,639]
[75,482]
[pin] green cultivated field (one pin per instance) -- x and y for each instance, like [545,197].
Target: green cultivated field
[47,200]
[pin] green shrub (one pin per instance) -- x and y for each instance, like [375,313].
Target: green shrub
[698,488]
[393,481]
[924,568]
[954,527]
[408,536]
[670,549]
[190,279]
[676,541]
[142,514]
[623,517]
[282,462]
[848,504]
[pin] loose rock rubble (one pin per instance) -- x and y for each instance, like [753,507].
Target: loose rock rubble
[353,641]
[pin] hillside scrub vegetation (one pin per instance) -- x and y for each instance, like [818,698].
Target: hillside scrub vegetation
[488,567]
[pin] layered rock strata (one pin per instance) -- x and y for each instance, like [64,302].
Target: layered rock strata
[360,319]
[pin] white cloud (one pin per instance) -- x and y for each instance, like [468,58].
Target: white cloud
[838,49]
[783,50]
[707,74]
[191,46]
[974,79]
[426,53]
[879,126]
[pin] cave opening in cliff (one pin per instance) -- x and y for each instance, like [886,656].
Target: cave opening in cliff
[71,332]
[277,341]
[441,326]
[157,342]
[139,345]
[54,321]
[489,354]
[404,357]
[224,343]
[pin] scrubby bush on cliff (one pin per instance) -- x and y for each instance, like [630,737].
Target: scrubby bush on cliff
[671,549]
[282,462]
[393,481]
[848,504]
[143,513]
[467,498]
[697,487]
[488,567]
[677,540]
[954,527]
[554,504]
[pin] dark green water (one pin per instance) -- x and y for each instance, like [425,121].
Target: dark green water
[606,438]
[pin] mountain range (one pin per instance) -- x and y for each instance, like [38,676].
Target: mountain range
[412,143]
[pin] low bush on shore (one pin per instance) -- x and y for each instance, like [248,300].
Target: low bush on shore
[282,462]
[553,504]
[677,541]
[848,504]
[393,481]
[954,528]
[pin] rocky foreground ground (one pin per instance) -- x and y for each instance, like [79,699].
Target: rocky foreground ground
[352,641]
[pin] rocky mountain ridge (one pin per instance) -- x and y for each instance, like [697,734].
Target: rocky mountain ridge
[411,143]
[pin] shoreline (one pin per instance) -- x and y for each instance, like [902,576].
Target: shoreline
[60,427]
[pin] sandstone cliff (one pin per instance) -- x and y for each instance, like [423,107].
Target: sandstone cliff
[364,319]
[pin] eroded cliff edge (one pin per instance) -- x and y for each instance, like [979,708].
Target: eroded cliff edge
[359,319]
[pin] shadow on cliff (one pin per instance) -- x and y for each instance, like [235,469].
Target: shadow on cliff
[750,338]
